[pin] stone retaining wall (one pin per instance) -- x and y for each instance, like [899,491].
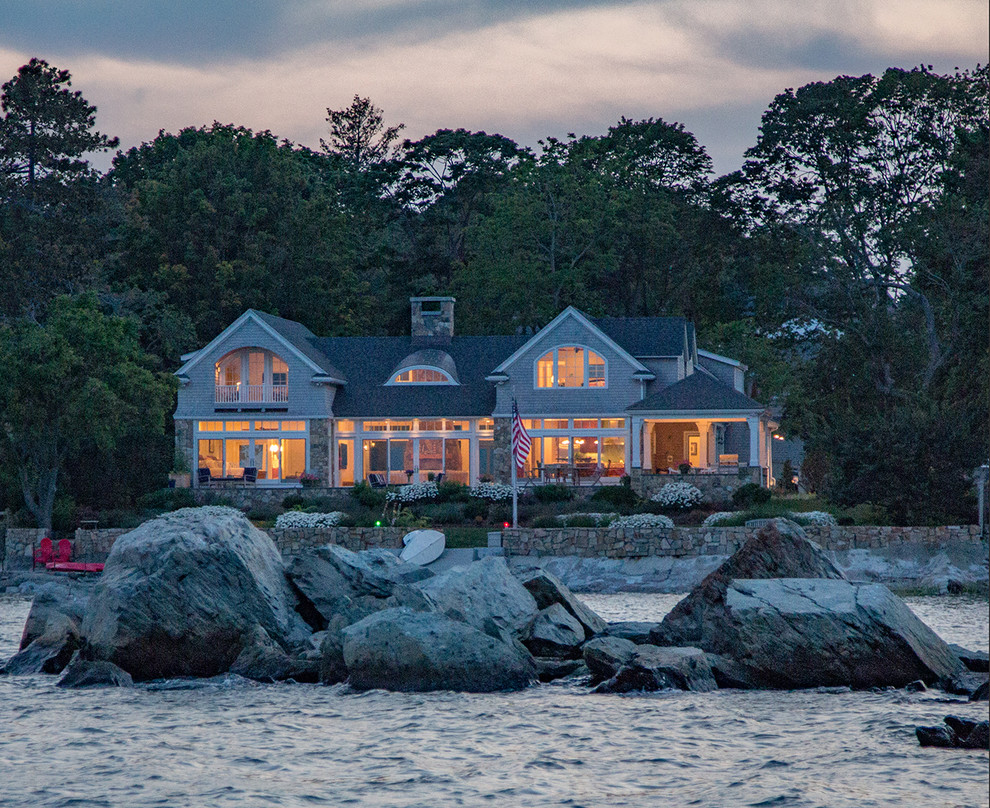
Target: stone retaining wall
[292,540]
[715,488]
[695,541]
[247,496]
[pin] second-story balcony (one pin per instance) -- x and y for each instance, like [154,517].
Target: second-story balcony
[252,393]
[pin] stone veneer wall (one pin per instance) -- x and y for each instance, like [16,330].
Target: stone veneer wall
[319,448]
[716,488]
[247,496]
[695,541]
[290,541]
[184,444]
[502,453]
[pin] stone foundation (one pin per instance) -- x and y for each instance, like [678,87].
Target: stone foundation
[715,488]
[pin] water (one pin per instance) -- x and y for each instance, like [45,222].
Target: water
[228,742]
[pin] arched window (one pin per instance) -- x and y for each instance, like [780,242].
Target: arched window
[252,375]
[421,375]
[570,366]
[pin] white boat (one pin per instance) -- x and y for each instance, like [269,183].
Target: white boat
[422,547]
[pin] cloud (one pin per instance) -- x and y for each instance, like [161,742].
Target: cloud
[713,65]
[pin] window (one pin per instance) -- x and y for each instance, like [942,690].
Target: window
[533,423]
[345,426]
[555,424]
[486,425]
[211,426]
[613,423]
[570,366]
[421,376]
[252,375]
[586,423]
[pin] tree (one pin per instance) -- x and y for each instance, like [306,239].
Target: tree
[45,130]
[359,135]
[81,380]
[55,217]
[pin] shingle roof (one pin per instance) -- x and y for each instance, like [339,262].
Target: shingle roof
[368,362]
[304,341]
[431,357]
[699,391]
[645,336]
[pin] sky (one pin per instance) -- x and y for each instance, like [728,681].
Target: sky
[526,69]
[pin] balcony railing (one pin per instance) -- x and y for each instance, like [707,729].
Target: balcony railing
[252,393]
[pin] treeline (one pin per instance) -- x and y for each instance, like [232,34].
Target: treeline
[846,263]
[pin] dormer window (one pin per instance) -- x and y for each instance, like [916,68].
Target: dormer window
[423,375]
[570,366]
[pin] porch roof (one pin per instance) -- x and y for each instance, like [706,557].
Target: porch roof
[699,391]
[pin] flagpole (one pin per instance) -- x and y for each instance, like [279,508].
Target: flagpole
[515,494]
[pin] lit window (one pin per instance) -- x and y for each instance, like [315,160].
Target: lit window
[533,423]
[586,423]
[293,426]
[486,425]
[570,366]
[431,426]
[238,426]
[376,426]
[613,423]
[211,426]
[421,376]
[555,424]
[345,426]
[271,426]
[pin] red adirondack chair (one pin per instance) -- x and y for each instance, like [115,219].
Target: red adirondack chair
[64,551]
[45,553]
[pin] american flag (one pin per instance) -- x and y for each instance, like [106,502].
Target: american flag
[521,441]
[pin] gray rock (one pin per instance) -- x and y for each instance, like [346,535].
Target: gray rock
[655,668]
[728,673]
[956,733]
[779,550]
[549,669]
[484,595]
[403,650]
[637,632]
[916,686]
[94,673]
[555,633]
[264,660]
[978,661]
[57,600]
[964,682]
[51,651]
[179,594]
[605,655]
[794,633]
[547,589]
[982,693]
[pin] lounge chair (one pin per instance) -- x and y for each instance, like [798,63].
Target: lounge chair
[250,474]
[62,561]
[45,553]
[203,476]
[377,480]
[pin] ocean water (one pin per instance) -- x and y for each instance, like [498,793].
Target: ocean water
[230,742]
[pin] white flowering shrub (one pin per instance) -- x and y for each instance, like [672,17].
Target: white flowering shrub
[493,492]
[416,492]
[717,518]
[638,520]
[601,519]
[815,518]
[678,495]
[297,519]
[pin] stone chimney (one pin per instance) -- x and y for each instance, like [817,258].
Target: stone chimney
[432,318]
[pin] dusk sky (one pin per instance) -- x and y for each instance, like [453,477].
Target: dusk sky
[523,69]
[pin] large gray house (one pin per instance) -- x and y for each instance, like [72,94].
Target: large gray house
[600,397]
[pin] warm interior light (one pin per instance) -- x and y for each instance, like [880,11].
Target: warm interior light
[273,448]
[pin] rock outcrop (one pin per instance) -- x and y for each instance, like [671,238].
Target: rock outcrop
[547,590]
[94,673]
[181,596]
[555,633]
[605,655]
[779,550]
[956,733]
[400,649]
[653,668]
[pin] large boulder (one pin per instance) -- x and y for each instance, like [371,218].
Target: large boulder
[485,595]
[54,603]
[403,650]
[48,652]
[555,633]
[653,668]
[778,550]
[956,733]
[182,594]
[94,673]
[547,590]
[801,632]
[605,655]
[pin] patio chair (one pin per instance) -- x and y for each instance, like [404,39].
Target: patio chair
[439,478]
[250,474]
[377,480]
[595,477]
[64,551]
[45,553]
[203,476]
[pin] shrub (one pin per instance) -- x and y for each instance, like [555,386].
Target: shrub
[493,492]
[292,501]
[719,517]
[546,521]
[476,508]
[553,493]
[168,499]
[369,497]
[443,513]
[813,518]
[677,496]
[590,519]
[750,494]
[618,496]
[262,513]
[451,491]
[640,520]
[298,519]
[415,492]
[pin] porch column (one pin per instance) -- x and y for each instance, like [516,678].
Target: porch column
[636,441]
[703,429]
[753,422]
[473,455]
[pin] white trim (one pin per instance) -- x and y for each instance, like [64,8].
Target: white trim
[220,338]
[570,311]
[556,363]
[708,415]
[449,383]
[722,359]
